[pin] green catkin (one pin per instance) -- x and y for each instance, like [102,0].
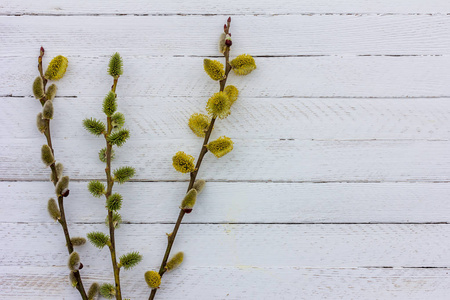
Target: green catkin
[189,201]
[93,291]
[74,261]
[199,124]
[47,110]
[47,155]
[98,239]
[115,68]
[41,124]
[116,219]
[199,185]
[38,88]
[221,146]
[214,69]
[129,260]
[219,105]
[94,126]
[123,174]
[107,290]
[78,241]
[53,209]
[102,155]
[175,261]
[57,68]
[51,92]
[62,186]
[243,64]
[59,171]
[119,138]
[232,92]
[117,120]
[73,281]
[109,104]
[96,188]
[183,162]
[153,279]
[114,202]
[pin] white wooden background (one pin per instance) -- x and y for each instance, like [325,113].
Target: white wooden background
[339,184]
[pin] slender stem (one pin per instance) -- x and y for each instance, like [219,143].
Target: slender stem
[110,181]
[62,220]
[171,237]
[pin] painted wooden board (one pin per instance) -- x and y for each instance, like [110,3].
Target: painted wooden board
[284,35]
[233,7]
[242,283]
[251,160]
[275,77]
[239,202]
[236,245]
[251,118]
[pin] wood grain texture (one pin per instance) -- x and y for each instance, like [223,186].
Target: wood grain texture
[275,77]
[261,160]
[237,202]
[244,283]
[233,7]
[235,245]
[338,184]
[251,118]
[280,35]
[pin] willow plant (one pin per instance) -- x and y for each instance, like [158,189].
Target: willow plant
[55,71]
[218,107]
[115,135]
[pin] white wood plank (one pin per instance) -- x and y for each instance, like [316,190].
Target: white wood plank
[290,118]
[157,78]
[233,202]
[261,160]
[237,245]
[257,35]
[238,283]
[233,7]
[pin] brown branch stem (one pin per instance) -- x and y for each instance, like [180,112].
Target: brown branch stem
[110,182]
[171,237]
[62,219]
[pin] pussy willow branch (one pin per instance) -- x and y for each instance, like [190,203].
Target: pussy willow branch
[62,220]
[171,237]
[110,181]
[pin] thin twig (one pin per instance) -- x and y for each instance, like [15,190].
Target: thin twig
[110,181]
[171,237]
[62,219]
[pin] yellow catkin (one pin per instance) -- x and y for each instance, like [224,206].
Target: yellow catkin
[221,146]
[219,105]
[57,68]
[214,69]
[232,92]
[183,162]
[243,64]
[153,279]
[199,124]
[175,261]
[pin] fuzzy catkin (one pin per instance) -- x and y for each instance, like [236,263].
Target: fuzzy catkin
[47,110]
[153,279]
[51,92]
[47,155]
[214,69]
[219,105]
[38,88]
[57,68]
